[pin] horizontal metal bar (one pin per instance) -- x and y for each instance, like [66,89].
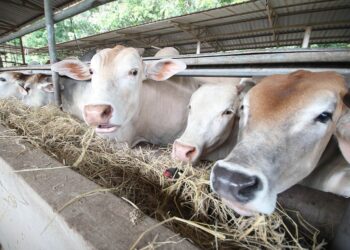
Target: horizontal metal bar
[64,14]
[247,72]
[303,56]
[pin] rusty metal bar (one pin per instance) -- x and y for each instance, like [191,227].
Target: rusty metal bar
[52,48]
[22,51]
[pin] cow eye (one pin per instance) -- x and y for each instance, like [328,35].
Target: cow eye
[324,117]
[133,72]
[241,107]
[189,107]
[227,112]
[91,71]
[2,79]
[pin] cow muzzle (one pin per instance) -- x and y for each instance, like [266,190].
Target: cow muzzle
[236,188]
[99,116]
[185,152]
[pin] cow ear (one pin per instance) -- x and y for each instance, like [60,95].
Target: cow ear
[163,69]
[22,90]
[47,87]
[343,133]
[245,85]
[72,68]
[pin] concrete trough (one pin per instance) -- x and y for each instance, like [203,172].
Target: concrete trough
[33,214]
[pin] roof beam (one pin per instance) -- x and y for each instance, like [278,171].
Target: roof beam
[24,3]
[64,14]
[195,32]
[272,18]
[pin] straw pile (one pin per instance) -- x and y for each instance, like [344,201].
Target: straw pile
[137,175]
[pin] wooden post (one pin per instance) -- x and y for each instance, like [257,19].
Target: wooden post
[198,47]
[306,39]
[52,48]
[22,51]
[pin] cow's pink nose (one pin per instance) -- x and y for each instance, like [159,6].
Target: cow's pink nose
[97,114]
[184,152]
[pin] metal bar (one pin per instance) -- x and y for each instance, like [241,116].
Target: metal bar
[22,51]
[198,47]
[64,14]
[307,36]
[342,237]
[52,48]
[1,64]
[257,71]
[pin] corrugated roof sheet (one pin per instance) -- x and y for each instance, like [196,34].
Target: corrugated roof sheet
[18,13]
[239,26]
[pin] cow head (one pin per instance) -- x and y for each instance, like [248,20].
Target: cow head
[11,84]
[212,114]
[285,125]
[38,90]
[116,81]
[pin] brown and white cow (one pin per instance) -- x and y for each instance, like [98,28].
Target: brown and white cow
[38,91]
[126,100]
[212,123]
[11,84]
[286,123]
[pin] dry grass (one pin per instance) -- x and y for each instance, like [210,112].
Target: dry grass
[137,175]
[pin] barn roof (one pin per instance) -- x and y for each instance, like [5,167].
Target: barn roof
[16,14]
[249,25]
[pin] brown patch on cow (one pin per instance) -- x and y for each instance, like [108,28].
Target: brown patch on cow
[279,96]
[37,79]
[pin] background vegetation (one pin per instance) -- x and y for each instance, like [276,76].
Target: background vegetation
[118,14]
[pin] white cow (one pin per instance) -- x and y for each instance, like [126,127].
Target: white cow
[127,102]
[11,84]
[286,124]
[212,124]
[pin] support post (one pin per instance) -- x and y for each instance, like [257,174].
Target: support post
[198,47]
[52,48]
[306,39]
[22,51]
[1,64]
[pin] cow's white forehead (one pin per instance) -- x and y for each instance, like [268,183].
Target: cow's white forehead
[215,96]
[111,58]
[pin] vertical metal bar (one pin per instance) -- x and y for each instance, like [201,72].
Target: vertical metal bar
[306,39]
[22,51]
[1,64]
[52,48]
[198,47]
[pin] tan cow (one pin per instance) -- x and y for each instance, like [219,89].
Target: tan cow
[286,123]
[126,100]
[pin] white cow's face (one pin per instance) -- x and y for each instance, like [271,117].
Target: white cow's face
[38,90]
[11,83]
[286,123]
[212,111]
[116,83]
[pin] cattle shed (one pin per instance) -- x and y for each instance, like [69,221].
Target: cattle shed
[252,39]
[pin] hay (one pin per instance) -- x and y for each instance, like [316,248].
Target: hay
[137,175]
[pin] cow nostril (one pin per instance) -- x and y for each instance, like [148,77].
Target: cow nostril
[240,186]
[107,111]
[191,152]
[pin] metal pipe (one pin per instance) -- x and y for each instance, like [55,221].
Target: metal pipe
[22,51]
[198,51]
[306,39]
[52,49]
[64,14]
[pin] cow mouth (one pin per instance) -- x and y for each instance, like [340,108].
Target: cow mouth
[239,208]
[106,128]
